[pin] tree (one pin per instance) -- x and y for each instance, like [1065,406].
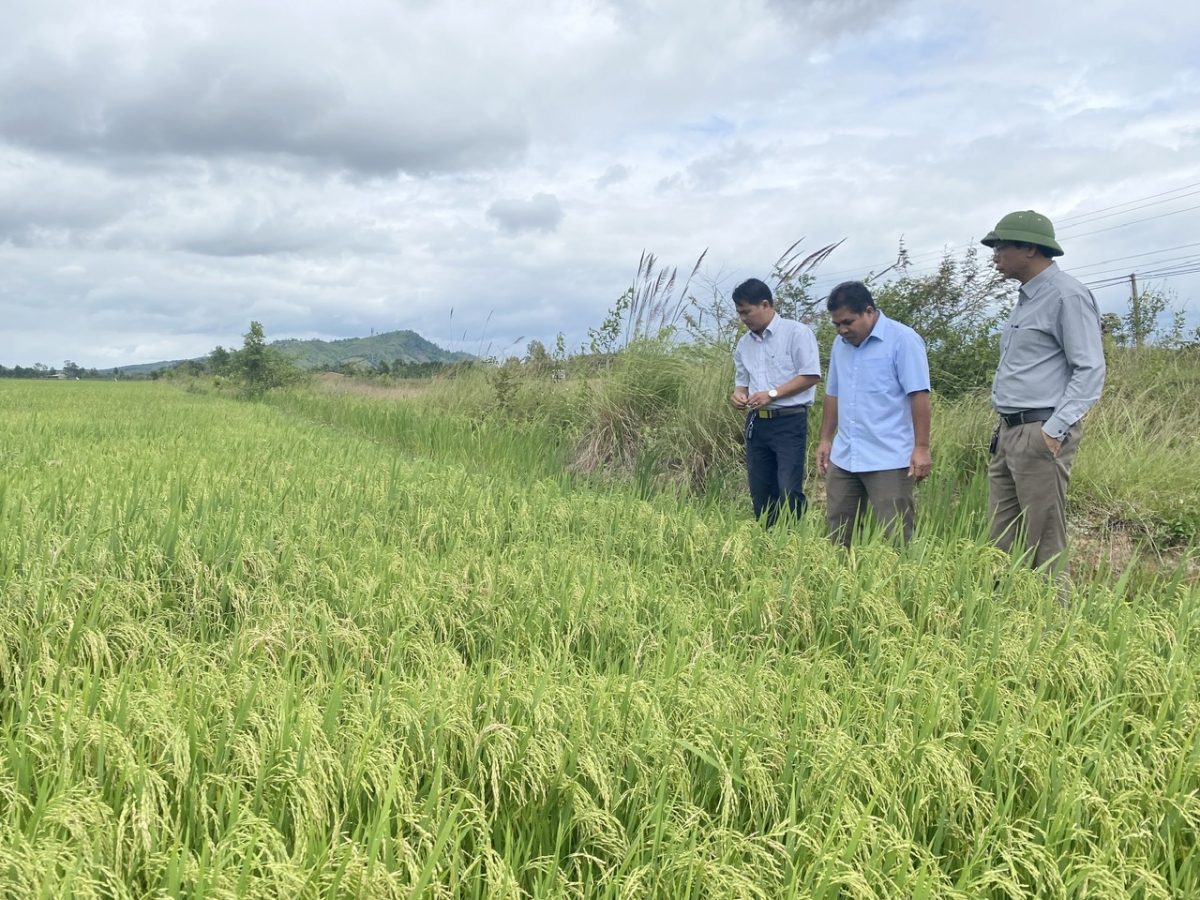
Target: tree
[253,360]
[260,366]
[957,310]
[1142,321]
[190,367]
[538,359]
[219,360]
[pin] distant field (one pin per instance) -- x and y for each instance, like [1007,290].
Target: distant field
[359,648]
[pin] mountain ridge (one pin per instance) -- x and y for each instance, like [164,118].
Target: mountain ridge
[313,353]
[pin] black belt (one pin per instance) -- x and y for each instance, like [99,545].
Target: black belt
[778,413]
[1025,416]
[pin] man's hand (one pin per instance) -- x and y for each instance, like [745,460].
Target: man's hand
[823,450]
[920,464]
[758,400]
[739,398]
[1051,444]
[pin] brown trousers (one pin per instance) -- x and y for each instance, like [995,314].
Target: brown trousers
[889,492]
[1027,493]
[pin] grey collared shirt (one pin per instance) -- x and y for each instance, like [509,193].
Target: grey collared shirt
[784,350]
[1051,353]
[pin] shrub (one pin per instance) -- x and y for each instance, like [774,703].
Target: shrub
[958,310]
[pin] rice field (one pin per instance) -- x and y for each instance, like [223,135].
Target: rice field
[372,652]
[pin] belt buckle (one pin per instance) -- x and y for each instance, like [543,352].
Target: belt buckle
[763,413]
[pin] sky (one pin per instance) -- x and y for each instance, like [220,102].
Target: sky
[490,173]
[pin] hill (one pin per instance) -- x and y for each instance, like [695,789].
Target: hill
[407,346]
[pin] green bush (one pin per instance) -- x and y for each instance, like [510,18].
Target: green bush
[958,310]
[261,367]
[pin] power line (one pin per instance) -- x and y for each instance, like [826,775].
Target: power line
[1088,221]
[1180,269]
[891,262]
[1136,221]
[1188,265]
[1127,203]
[1173,272]
[1134,256]
[827,279]
[1178,260]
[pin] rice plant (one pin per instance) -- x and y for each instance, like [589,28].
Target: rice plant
[363,649]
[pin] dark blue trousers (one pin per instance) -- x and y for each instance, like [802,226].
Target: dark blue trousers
[775,452]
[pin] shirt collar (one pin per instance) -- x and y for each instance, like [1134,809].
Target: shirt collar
[881,332]
[770,329]
[1031,287]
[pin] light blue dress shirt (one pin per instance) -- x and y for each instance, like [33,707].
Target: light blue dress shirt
[784,350]
[872,383]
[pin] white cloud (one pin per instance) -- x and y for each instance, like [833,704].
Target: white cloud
[541,212]
[614,174]
[169,170]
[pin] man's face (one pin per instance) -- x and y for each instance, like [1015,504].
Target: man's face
[1010,260]
[852,327]
[755,316]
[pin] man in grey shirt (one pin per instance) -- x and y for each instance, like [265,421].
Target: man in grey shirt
[1051,371]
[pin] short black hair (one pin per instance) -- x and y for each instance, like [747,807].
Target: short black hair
[851,295]
[751,292]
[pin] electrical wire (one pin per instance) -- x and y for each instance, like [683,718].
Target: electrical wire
[1136,221]
[1145,275]
[1134,256]
[1178,260]
[1094,212]
[826,280]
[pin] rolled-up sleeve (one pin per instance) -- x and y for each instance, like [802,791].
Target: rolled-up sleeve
[741,375]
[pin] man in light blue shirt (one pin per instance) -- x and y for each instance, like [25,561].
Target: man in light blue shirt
[776,367]
[877,403]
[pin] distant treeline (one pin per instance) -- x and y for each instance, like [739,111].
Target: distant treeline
[397,368]
[38,370]
[225,363]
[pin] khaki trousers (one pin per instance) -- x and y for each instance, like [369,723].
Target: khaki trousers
[889,492]
[1027,493]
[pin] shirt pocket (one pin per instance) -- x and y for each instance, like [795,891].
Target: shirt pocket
[876,376]
[780,369]
[1033,343]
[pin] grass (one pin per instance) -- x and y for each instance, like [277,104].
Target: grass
[660,415]
[362,649]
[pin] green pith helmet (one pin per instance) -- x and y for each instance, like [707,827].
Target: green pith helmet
[1028,227]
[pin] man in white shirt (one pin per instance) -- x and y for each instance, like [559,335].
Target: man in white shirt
[776,368]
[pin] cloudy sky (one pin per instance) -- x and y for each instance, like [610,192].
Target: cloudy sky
[489,172]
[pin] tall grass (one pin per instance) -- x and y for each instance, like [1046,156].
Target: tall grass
[661,414]
[246,654]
